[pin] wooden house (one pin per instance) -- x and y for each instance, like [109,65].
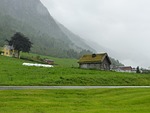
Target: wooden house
[9,51]
[95,61]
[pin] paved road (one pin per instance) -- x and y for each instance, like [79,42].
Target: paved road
[65,87]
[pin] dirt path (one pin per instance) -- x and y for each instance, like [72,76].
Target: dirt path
[65,87]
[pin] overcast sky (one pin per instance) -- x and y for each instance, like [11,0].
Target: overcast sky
[121,25]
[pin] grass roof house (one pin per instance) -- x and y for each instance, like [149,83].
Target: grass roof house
[95,61]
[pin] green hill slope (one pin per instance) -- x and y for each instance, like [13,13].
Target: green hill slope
[65,73]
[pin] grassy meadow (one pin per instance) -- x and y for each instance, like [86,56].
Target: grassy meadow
[65,72]
[75,101]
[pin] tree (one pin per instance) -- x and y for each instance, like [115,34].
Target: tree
[138,70]
[20,43]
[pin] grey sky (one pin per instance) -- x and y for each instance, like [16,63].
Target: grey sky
[121,25]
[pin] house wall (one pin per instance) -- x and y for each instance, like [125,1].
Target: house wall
[8,52]
[91,66]
[15,53]
[105,64]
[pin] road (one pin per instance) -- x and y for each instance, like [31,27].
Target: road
[65,87]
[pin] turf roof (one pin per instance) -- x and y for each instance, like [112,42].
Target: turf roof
[92,58]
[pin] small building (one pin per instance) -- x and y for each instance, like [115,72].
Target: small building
[9,51]
[95,61]
[48,61]
[128,69]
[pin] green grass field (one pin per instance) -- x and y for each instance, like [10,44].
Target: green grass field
[61,62]
[13,73]
[66,72]
[75,101]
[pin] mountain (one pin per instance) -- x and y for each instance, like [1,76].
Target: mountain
[31,18]
[77,40]
[32,13]
[48,36]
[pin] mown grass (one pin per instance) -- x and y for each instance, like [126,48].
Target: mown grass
[75,101]
[13,73]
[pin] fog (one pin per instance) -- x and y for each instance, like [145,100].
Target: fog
[120,25]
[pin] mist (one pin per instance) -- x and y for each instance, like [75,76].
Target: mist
[120,25]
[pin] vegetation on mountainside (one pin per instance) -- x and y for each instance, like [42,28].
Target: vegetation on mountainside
[42,29]
[76,101]
[43,44]
[48,36]
[66,72]
[115,62]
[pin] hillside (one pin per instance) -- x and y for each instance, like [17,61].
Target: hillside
[48,36]
[31,18]
[65,73]
[33,13]
[77,40]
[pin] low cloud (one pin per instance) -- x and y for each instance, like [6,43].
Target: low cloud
[122,25]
